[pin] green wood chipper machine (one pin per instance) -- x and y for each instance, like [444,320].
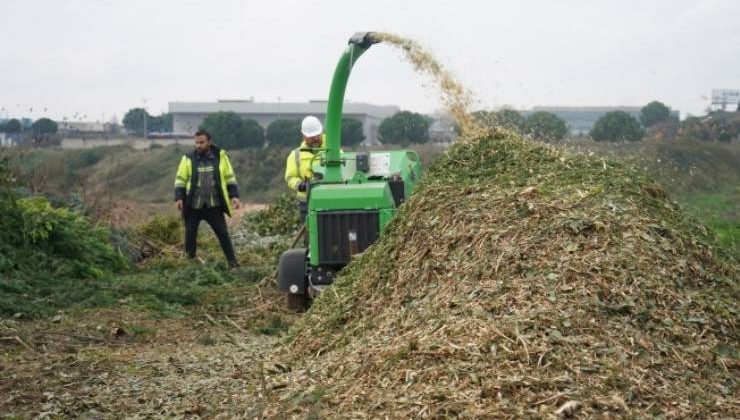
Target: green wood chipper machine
[352,198]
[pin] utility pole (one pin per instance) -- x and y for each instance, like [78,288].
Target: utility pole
[145,118]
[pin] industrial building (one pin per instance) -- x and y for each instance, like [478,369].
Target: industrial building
[84,127]
[187,116]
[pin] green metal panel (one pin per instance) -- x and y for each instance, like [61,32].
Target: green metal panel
[368,196]
[313,238]
[406,163]
[373,195]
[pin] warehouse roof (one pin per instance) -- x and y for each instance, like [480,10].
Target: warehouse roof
[251,107]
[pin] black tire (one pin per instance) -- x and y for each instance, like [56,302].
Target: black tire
[298,303]
[292,275]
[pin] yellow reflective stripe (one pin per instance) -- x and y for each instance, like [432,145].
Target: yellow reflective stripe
[182,177]
[293,170]
[227,172]
[297,157]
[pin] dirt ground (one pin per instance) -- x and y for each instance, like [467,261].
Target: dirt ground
[118,363]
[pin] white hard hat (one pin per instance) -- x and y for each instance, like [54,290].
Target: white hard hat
[311,126]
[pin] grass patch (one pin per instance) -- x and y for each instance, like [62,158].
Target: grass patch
[720,211]
[167,289]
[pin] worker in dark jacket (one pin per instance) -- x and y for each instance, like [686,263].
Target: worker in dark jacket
[205,189]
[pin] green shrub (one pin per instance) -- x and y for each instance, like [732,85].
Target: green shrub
[546,126]
[49,256]
[280,218]
[90,157]
[617,126]
[165,230]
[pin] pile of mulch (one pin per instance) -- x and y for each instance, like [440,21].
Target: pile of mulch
[127,363]
[523,282]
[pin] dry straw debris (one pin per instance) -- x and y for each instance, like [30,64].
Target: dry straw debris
[517,279]
[523,282]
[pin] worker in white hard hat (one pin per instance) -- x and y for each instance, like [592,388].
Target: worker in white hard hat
[298,173]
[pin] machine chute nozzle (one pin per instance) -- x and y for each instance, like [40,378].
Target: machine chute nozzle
[363,39]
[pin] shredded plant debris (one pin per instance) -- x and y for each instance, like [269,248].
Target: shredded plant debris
[517,279]
[520,281]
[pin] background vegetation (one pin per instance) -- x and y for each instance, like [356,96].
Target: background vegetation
[57,253]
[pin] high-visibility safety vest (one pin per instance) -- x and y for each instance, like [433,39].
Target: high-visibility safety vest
[186,177]
[298,168]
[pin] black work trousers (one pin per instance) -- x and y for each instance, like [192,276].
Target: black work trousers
[215,218]
[302,212]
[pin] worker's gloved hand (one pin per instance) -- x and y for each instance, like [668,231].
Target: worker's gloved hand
[303,186]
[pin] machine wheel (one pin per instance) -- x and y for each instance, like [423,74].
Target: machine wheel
[298,303]
[292,279]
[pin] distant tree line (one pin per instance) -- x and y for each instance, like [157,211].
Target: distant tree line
[12,126]
[42,132]
[231,131]
[137,120]
[655,121]
[234,132]
[540,125]
[405,127]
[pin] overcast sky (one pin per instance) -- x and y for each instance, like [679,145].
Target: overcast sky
[100,58]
